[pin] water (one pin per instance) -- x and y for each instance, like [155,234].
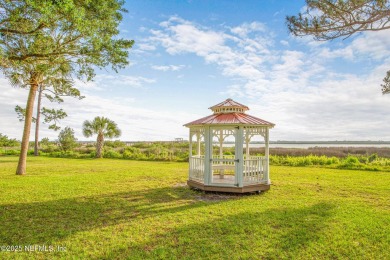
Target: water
[306,145]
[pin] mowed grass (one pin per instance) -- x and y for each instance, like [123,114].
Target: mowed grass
[120,209]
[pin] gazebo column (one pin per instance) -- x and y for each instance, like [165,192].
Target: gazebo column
[247,141]
[198,141]
[220,144]
[207,156]
[239,156]
[190,156]
[221,139]
[266,172]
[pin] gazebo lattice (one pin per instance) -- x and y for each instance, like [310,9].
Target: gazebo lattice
[215,166]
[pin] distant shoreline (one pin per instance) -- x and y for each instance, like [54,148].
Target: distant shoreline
[261,142]
[279,143]
[328,142]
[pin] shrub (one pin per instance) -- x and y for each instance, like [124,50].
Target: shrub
[112,154]
[142,145]
[363,159]
[303,160]
[127,155]
[12,152]
[373,157]
[66,139]
[114,144]
[92,154]
[351,162]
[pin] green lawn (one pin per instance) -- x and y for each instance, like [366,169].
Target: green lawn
[119,209]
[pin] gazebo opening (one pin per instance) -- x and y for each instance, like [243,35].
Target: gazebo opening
[220,155]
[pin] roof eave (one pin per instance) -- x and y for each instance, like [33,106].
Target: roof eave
[230,124]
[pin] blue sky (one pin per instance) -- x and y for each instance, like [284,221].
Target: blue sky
[190,55]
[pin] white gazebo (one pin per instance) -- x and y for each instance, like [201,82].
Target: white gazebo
[223,160]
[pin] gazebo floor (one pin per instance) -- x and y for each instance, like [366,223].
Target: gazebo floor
[232,189]
[227,179]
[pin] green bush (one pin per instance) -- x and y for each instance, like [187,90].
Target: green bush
[114,144]
[49,148]
[170,152]
[373,157]
[303,160]
[12,152]
[351,162]
[112,154]
[142,145]
[92,154]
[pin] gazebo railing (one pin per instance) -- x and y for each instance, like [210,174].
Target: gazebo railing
[223,157]
[197,168]
[254,169]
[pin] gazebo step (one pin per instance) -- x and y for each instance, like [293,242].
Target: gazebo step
[245,189]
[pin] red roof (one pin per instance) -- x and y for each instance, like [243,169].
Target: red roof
[230,118]
[230,112]
[229,103]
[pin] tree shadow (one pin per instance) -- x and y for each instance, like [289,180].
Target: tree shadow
[274,234]
[252,234]
[50,221]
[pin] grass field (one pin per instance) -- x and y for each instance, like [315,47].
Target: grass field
[119,209]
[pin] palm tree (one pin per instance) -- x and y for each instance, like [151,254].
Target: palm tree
[103,127]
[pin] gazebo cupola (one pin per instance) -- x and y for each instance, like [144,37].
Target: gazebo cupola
[223,160]
[229,106]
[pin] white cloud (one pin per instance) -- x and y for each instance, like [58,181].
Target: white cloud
[135,121]
[247,28]
[345,53]
[168,67]
[298,90]
[351,108]
[368,45]
[234,91]
[284,42]
[236,56]
[105,81]
[145,47]
[374,44]
[181,36]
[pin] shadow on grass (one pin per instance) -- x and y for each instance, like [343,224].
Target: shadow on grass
[266,234]
[49,221]
[273,234]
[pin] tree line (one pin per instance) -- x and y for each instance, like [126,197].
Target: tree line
[100,126]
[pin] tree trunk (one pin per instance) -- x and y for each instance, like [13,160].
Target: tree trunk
[99,146]
[36,145]
[27,127]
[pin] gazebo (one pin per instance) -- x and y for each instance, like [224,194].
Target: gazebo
[223,141]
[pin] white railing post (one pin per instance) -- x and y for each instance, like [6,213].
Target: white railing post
[190,157]
[207,157]
[266,170]
[239,156]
